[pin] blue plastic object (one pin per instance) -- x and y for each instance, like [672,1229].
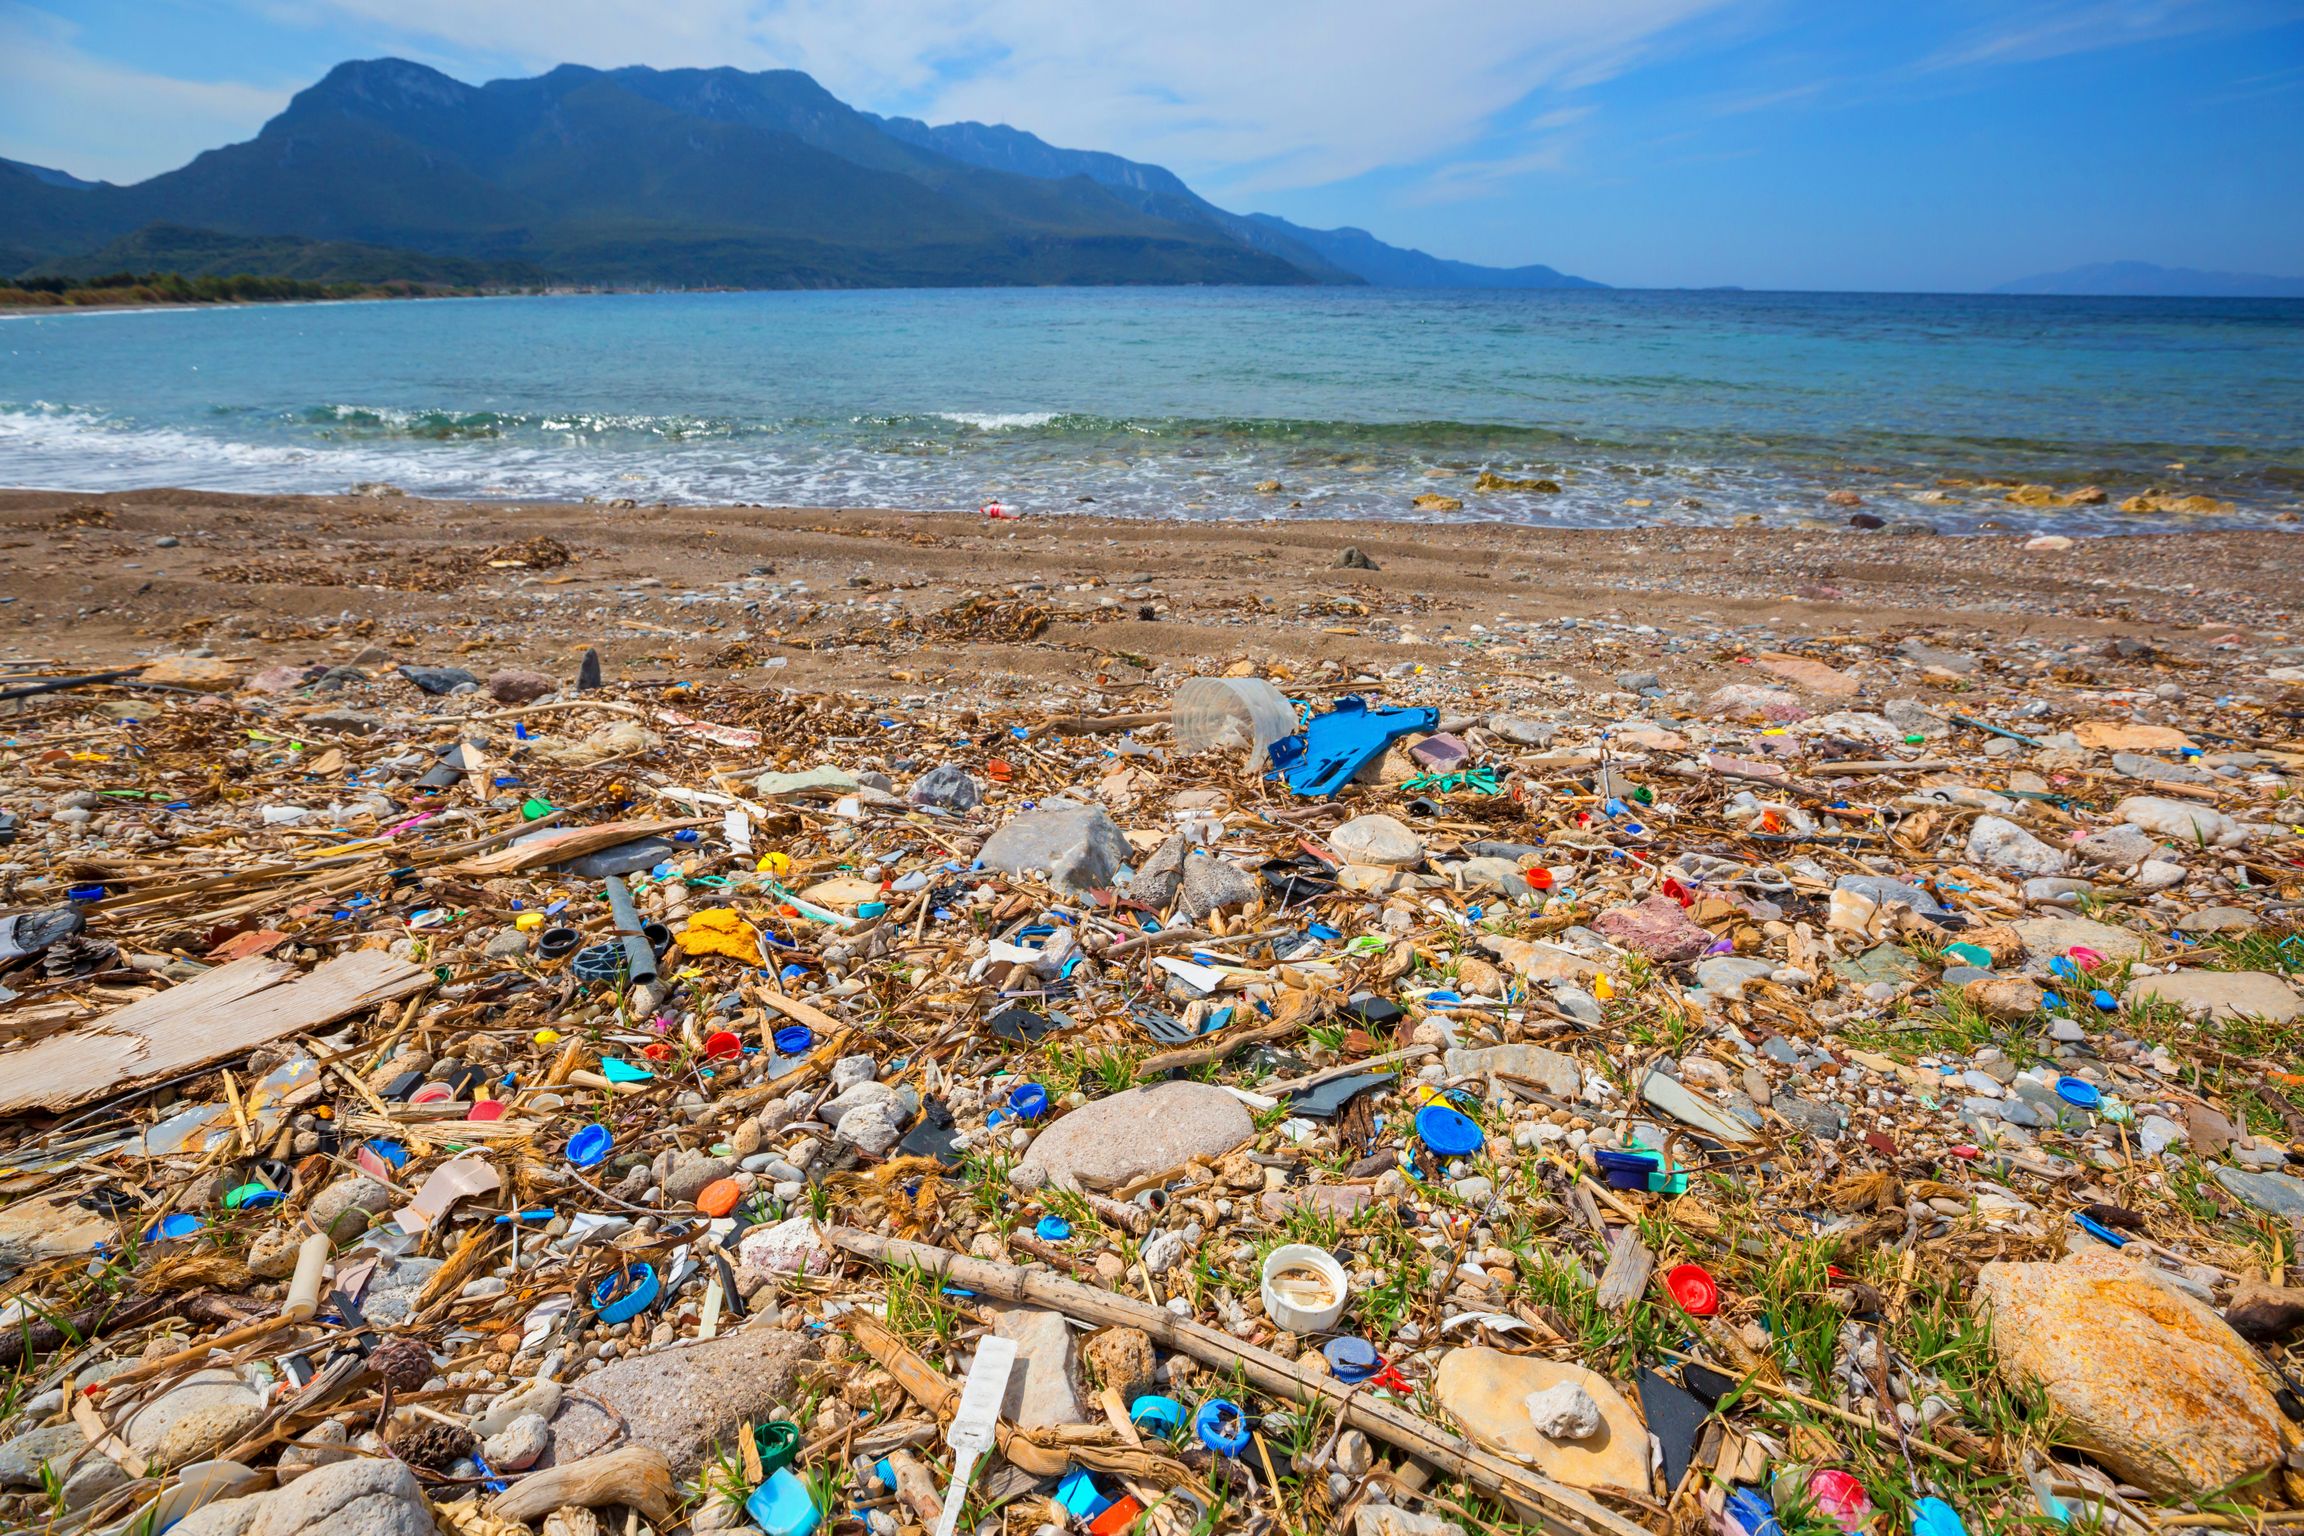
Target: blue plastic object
[1933,1517]
[175,1224]
[1160,1415]
[2078,1092]
[1626,1170]
[2104,1000]
[627,1293]
[1052,1229]
[1322,758]
[1447,1132]
[1752,1512]
[2099,1231]
[391,1151]
[1351,1357]
[1029,1102]
[781,1506]
[794,1039]
[1080,1496]
[1221,1426]
[590,1147]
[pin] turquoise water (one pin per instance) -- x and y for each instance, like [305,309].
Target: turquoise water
[1178,402]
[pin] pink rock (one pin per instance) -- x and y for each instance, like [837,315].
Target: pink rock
[1657,928]
[515,685]
[276,680]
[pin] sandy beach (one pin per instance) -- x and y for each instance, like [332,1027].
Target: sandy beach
[870,601]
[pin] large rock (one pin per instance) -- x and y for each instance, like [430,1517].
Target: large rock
[2186,824]
[1809,676]
[364,1496]
[1044,1387]
[2001,844]
[2147,1380]
[2047,937]
[1080,846]
[2280,1193]
[1143,1130]
[519,685]
[201,674]
[1557,1071]
[681,1399]
[22,1458]
[343,1208]
[1487,1391]
[203,1413]
[2222,995]
[1384,842]
[1657,928]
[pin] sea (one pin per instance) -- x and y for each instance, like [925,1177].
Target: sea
[1643,407]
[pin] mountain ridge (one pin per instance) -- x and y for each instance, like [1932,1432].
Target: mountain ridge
[687,177]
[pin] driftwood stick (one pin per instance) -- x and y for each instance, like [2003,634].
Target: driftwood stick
[1554,1505]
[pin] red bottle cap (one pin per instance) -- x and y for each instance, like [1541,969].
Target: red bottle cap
[1694,1288]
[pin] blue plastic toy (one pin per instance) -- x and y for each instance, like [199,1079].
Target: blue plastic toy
[1322,758]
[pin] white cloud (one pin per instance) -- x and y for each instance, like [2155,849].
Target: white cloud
[2089,26]
[1283,93]
[62,107]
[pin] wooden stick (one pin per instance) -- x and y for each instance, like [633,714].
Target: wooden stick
[1555,1505]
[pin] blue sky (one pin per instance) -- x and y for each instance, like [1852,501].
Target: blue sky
[1948,144]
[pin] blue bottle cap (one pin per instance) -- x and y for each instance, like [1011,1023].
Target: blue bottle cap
[793,1039]
[391,1151]
[627,1293]
[1080,1496]
[1351,1357]
[590,1147]
[1447,1132]
[1052,1229]
[174,1225]
[781,1506]
[1222,1426]
[2078,1092]
[1029,1102]
[1160,1415]
[2104,1000]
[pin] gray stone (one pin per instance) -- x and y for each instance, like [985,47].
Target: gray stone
[1143,1130]
[362,1496]
[22,1457]
[1522,731]
[2001,844]
[948,787]
[2135,765]
[2222,995]
[691,1174]
[1881,889]
[2047,937]
[1044,1386]
[681,1399]
[392,1292]
[1081,847]
[2280,1193]
[1819,1121]
[1558,1072]
[1564,1411]
[2122,844]
[1211,884]
[1378,841]
[2219,920]
[1499,875]
[342,1209]
[204,1412]
[519,1445]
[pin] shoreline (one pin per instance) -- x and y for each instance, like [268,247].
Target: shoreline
[877,602]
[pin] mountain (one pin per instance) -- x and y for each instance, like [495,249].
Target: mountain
[633,177]
[2142,279]
[54,178]
[1392,266]
[682,177]
[1330,254]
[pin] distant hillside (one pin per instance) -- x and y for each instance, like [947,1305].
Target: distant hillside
[1331,254]
[633,176]
[54,178]
[2142,279]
